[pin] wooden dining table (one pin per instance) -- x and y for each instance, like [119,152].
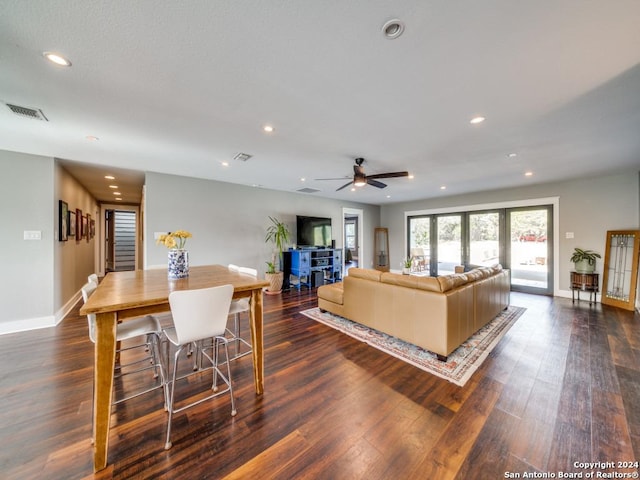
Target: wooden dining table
[124,295]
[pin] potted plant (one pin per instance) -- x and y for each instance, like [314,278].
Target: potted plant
[406,265]
[584,260]
[277,233]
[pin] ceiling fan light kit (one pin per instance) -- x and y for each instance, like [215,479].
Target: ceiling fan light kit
[360,179]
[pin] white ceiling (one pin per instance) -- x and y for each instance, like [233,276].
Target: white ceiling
[180,87]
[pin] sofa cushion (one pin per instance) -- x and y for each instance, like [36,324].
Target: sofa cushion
[365,273]
[332,292]
[474,275]
[430,284]
[449,282]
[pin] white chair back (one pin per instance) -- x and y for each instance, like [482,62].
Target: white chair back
[93,278]
[202,313]
[249,271]
[87,291]
[233,268]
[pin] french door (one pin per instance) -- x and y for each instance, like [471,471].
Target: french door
[518,238]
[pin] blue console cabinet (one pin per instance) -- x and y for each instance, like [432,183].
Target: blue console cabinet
[315,266]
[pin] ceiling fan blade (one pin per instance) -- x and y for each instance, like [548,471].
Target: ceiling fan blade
[375,183]
[344,186]
[389,175]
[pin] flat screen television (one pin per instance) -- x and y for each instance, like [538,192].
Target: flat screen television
[313,232]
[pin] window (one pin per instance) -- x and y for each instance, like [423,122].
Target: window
[518,238]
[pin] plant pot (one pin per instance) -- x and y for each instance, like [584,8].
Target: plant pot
[583,266]
[178,264]
[406,270]
[275,280]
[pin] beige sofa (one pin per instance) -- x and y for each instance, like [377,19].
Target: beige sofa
[435,313]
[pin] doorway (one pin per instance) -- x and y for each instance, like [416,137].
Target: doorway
[352,238]
[120,240]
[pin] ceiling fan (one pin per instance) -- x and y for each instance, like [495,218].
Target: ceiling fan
[360,179]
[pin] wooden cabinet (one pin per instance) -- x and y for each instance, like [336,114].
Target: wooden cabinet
[584,282]
[314,267]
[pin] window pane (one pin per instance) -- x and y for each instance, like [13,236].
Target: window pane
[484,230]
[419,238]
[449,246]
[529,263]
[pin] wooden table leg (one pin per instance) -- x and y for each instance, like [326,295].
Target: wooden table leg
[105,352]
[256,323]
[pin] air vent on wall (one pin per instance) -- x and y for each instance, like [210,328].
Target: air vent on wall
[34,113]
[243,157]
[308,190]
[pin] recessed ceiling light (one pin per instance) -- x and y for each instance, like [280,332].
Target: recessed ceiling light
[393,29]
[119,199]
[109,177]
[224,163]
[411,176]
[388,196]
[57,59]
[443,187]
[512,155]
[528,174]
[476,120]
[303,179]
[113,186]
[268,128]
[117,193]
[353,189]
[92,138]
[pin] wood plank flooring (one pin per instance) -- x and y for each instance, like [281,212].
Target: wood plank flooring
[562,386]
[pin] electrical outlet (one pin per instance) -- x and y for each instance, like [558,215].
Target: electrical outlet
[568,235]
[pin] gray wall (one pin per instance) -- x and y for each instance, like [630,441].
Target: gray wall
[229,221]
[41,279]
[26,203]
[588,207]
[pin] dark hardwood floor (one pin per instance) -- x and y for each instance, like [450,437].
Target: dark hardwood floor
[562,386]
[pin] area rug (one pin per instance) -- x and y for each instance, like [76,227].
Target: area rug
[459,366]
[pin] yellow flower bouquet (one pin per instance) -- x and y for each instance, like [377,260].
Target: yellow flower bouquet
[174,240]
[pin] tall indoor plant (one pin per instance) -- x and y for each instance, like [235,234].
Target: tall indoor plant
[277,233]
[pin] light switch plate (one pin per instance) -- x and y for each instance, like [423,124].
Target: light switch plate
[33,235]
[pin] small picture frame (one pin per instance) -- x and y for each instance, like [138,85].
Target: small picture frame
[92,228]
[63,221]
[72,223]
[78,224]
[87,233]
[84,226]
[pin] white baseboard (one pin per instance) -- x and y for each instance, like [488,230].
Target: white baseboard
[27,324]
[40,322]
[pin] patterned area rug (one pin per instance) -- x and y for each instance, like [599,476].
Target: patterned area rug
[461,363]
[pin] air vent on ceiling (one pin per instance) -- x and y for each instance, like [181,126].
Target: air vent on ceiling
[243,157]
[34,113]
[308,190]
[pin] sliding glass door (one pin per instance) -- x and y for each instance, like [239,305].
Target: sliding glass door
[529,249]
[518,238]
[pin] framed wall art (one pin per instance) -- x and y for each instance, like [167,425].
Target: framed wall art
[87,233]
[78,224]
[72,223]
[63,221]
